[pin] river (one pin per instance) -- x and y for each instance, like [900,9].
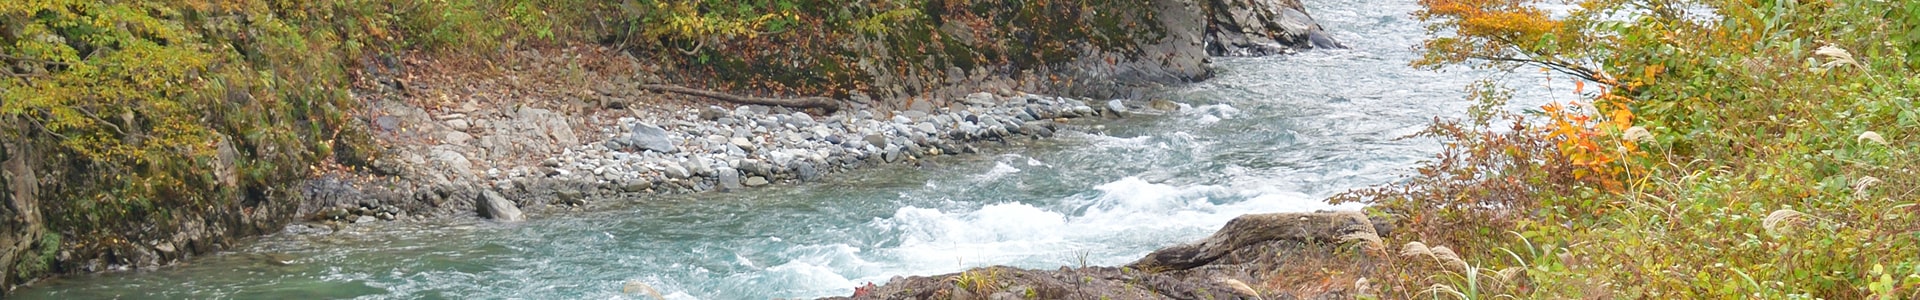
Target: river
[1268,134]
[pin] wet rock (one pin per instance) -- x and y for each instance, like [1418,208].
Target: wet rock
[636,186]
[636,287]
[756,181]
[756,167]
[499,208]
[1260,28]
[1117,108]
[1163,105]
[806,171]
[1250,230]
[729,179]
[364,219]
[1253,248]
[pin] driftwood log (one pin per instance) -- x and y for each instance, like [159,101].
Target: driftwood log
[825,103]
[1254,229]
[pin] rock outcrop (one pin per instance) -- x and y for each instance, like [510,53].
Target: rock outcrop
[1261,27]
[1260,256]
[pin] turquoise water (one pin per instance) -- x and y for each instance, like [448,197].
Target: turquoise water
[1268,135]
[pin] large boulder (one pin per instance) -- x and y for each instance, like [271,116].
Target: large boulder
[1261,27]
[1270,251]
[646,137]
[1247,231]
[499,208]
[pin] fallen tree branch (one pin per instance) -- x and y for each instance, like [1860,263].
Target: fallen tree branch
[804,102]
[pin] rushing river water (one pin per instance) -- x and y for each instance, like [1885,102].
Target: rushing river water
[1268,135]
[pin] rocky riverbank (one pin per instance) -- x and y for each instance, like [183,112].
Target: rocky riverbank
[486,160]
[1323,255]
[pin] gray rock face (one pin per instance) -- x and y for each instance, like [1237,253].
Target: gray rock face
[1261,27]
[498,208]
[647,137]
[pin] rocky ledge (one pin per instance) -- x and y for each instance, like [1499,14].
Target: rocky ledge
[1322,255]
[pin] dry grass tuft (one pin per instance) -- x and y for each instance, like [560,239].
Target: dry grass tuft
[1783,221]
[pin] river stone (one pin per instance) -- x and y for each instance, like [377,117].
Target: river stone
[1119,108]
[892,154]
[741,142]
[712,113]
[675,171]
[700,166]
[914,114]
[1037,130]
[363,219]
[729,178]
[756,181]
[648,137]
[876,140]
[498,208]
[980,99]
[638,185]
[1081,110]
[459,124]
[800,119]
[806,171]
[756,167]
[1163,105]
